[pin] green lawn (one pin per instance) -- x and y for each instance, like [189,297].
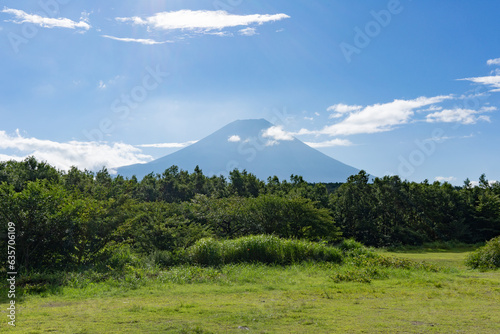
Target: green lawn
[267,299]
[448,258]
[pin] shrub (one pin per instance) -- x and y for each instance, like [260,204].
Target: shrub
[486,257]
[207,251]
[350,245]
[119,257]
[353,248]
[260,248]
[285,217]
[164,258]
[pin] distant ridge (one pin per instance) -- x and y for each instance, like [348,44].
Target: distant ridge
[240,144]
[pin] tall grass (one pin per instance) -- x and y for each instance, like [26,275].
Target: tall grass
[266,249]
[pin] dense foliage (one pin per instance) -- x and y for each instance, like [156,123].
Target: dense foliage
[81,219]
[486,257]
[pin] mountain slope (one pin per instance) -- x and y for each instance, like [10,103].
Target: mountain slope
[241,145]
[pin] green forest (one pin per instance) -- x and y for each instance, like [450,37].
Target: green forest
[82,220]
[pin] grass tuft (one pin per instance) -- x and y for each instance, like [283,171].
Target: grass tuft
[260,249]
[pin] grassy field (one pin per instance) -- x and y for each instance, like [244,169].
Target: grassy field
[305,298]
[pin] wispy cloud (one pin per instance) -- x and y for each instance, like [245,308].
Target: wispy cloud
[248,31]
[495,71]
[89,155]
[441,139]
[343,108]
[445,179]
[460,115]
[105,84]
[375,118]
[492,81]
[47,22]
[217,33]
[135,40]
[168,145]
[200,19]
[495,61]
[432,108]
[330,143]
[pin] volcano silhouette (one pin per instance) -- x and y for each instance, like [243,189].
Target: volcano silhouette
[242,145]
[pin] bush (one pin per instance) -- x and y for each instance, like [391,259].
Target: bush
[353,248]
[260,248]
[163,258]
[285,217]
[119,257]
[206,251]
[350,245]
[486,257]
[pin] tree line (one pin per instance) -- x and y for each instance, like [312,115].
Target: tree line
[78,218]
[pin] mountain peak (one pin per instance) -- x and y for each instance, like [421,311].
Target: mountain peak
[241,144]
[247,125]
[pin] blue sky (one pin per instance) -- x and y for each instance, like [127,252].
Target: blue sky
[392,87]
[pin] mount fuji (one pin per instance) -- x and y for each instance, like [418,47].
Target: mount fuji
[245,144]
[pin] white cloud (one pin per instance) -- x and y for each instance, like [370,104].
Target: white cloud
[488,108]
[47,22]
[105,84]
[277,133]
[493,81]
[336,115]
[445,179]
[444,138]
[432,108]
[495,61]
[5,157]
[330,143]
[375,118]
[474,95]
[459,115]
[248,31]
[89,155]
[136,40]
[343,108]
[234,139]
[169,145]
[218,33]
[200,19]
[476,183]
